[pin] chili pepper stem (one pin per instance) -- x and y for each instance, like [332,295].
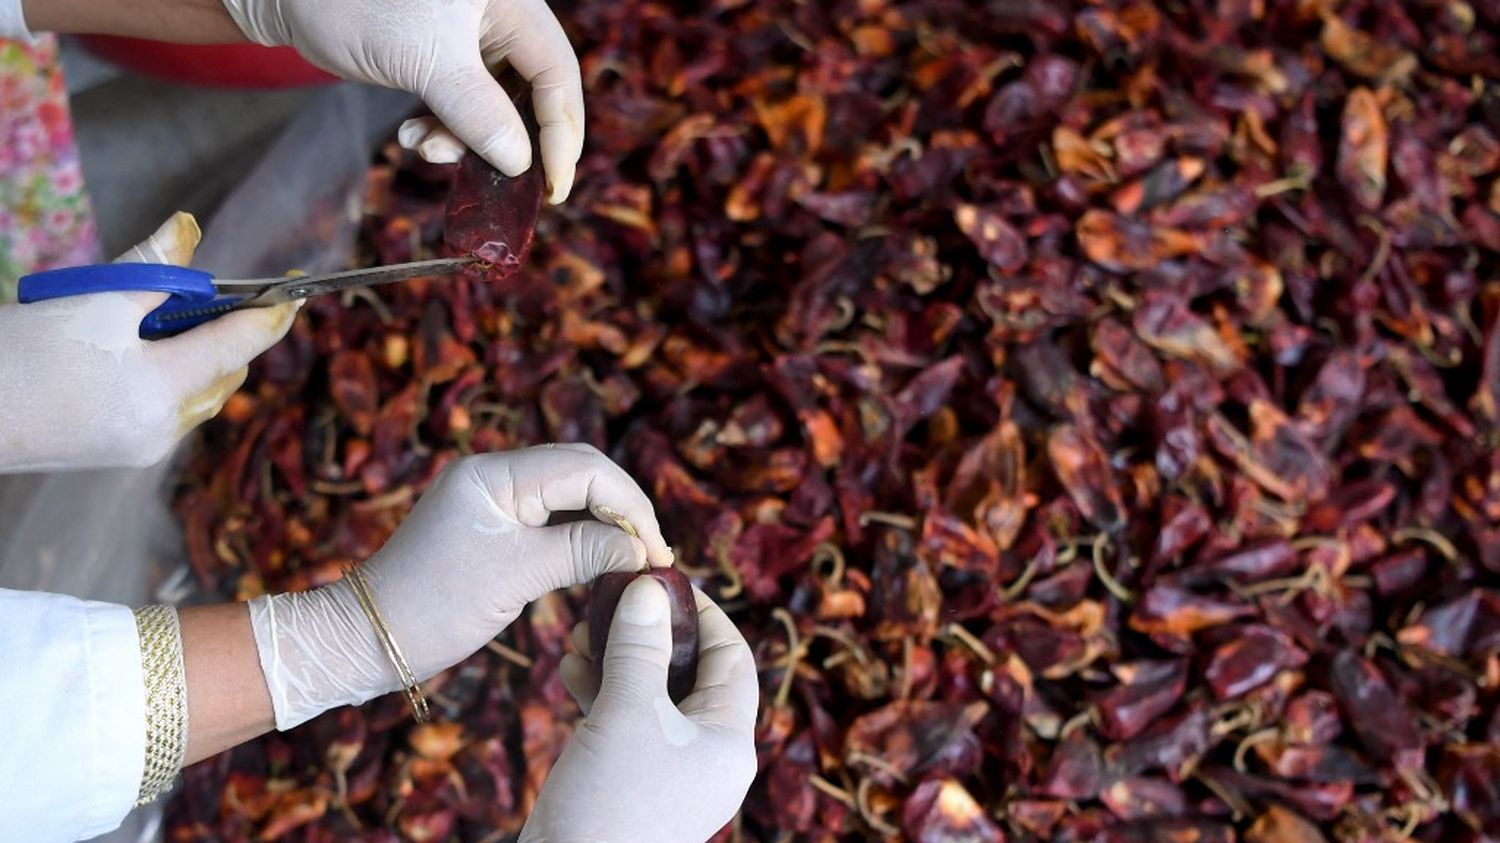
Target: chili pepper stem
[736,585]
[1238,806]
[510,654]
[1251,740]
[796,650]
[344,489]
[373,299]
[1012,592]
[1315,578]
[394,811]
[967,638]
[832,791]
[1297,182]
[1382,251]
[1427,535]
[825,553]
[1077,721]
[890,519]
[1123,594]
[862,801]
[1234,717]
[906,657]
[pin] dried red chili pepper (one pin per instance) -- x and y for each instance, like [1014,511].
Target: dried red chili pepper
[1253,656]
[1087,410]
[492,216]
[942,810]
[682,672]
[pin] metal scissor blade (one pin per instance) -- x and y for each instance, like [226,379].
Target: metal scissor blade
[293,289]
[176,316]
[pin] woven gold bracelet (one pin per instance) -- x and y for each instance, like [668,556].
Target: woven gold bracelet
[166,699]
[404,673]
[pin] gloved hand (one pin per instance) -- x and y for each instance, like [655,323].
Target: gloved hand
[80,389]
[444,52]
[638,768]
[473,552]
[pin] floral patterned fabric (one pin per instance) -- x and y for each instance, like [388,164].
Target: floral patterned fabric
[45,217]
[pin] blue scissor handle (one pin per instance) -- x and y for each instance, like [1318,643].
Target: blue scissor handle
[186,289]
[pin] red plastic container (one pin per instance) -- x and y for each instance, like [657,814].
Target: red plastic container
[211,65]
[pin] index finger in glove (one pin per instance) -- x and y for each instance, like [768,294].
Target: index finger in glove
[727,693]
[473,106]
[543,55]
[207,362]
[581,679]
[578,670]
[201,359]
[566,555]
[569,478]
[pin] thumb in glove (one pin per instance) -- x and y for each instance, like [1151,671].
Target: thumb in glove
[640,768]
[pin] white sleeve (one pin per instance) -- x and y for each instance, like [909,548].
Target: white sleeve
[12,24]
[73,745]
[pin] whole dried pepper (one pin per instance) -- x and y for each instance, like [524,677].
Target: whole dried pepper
[682,672]
[491,216]
[1088,410]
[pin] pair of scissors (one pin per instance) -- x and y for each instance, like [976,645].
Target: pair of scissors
[195,297]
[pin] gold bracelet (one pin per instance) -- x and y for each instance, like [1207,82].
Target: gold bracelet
[404,673]
[166,699]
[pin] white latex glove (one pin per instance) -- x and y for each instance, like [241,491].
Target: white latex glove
[640,769]
[474,551]
[80,389]
[444,51]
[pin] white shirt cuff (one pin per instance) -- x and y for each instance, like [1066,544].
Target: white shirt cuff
[75,738]
[119,714]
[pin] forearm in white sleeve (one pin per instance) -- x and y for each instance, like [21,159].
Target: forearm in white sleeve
[73,743]
[12,23]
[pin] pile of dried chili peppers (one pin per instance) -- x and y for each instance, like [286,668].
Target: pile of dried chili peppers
[1088,410]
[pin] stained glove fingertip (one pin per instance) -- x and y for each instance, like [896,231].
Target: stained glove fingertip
[561,148]
[173,242]
[557,192]
[560,182]
[279,319]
